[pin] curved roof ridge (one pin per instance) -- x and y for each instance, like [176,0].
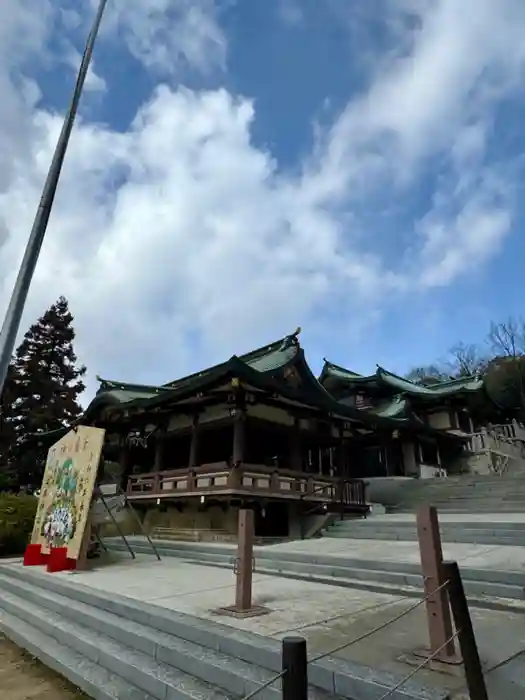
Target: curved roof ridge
[457,380]
[110,384]
[253,355]
[435,390]
[333,365]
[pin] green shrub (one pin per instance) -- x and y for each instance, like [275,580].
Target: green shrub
[17,515]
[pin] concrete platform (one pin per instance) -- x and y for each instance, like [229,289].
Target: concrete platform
[118,647]
[466,554]
[473,555]
[457,517]
[327,616]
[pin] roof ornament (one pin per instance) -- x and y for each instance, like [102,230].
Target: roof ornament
[104,383]
[290,340]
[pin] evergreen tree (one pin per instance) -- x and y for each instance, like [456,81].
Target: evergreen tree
[7,431]
[47,386]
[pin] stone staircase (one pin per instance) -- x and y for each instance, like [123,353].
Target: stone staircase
[192,535]
[507,533]
[465,494]
[396,577]
[118,648]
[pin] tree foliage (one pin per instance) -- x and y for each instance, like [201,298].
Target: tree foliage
[17,514]
[428,374]
[505,375]
[500,360]
[467,360]
[41,394]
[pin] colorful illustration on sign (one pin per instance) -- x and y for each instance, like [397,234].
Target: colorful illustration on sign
[67,489]
[61,519]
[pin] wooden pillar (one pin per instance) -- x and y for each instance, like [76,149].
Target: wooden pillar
[125,465]
[340,454]
[194,444]
[160,447]
[243,588]
[467,640]
[296,454]
[239,436]
[81,563]
[244,567]
[438,610]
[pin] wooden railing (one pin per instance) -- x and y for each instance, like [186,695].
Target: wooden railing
[245,479]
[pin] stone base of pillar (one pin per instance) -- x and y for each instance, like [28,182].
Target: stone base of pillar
[233,611]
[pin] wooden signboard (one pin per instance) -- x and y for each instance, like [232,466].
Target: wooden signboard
[66,492]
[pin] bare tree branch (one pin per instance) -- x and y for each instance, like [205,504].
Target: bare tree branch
[507,343]
[430,374]
[466,360]
[507,339]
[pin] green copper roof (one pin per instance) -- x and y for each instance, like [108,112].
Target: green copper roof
[397,408]
[336,372]
[333,375]
[265,369]
[266,359]
[438,390]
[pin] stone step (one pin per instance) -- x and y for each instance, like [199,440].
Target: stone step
[304,566]
[155,679]
[459,510]
[90,677]
[207,665]
[516,526]
[503,526]
[149,641]
[410,535]
[207,554]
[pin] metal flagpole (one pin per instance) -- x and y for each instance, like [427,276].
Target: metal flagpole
[27,268]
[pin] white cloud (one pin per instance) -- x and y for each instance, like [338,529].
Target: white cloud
[94,81]
[179,241]
[290,12]
[164,33]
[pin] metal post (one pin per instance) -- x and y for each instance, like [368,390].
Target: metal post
[137,520]
[438,610]
[16,306]
[467,640]
[243,584]
[295,669]
[115,523]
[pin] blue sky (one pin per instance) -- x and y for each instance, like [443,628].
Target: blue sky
[242,168]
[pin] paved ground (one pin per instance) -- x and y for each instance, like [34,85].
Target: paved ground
[477,556]
[328,616]
[24,678]
[460,517]
[482,556]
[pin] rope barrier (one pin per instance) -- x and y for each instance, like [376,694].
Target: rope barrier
[359,611]
[419,667]
[264,685]
[381,627]
[506,661]
[369,634]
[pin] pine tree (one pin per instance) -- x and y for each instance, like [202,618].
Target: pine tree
[7,431]
[48,384]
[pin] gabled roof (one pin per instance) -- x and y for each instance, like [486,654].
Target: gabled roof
[340,378]
[267,359]
[338,373]
[437,390]
[266,369]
